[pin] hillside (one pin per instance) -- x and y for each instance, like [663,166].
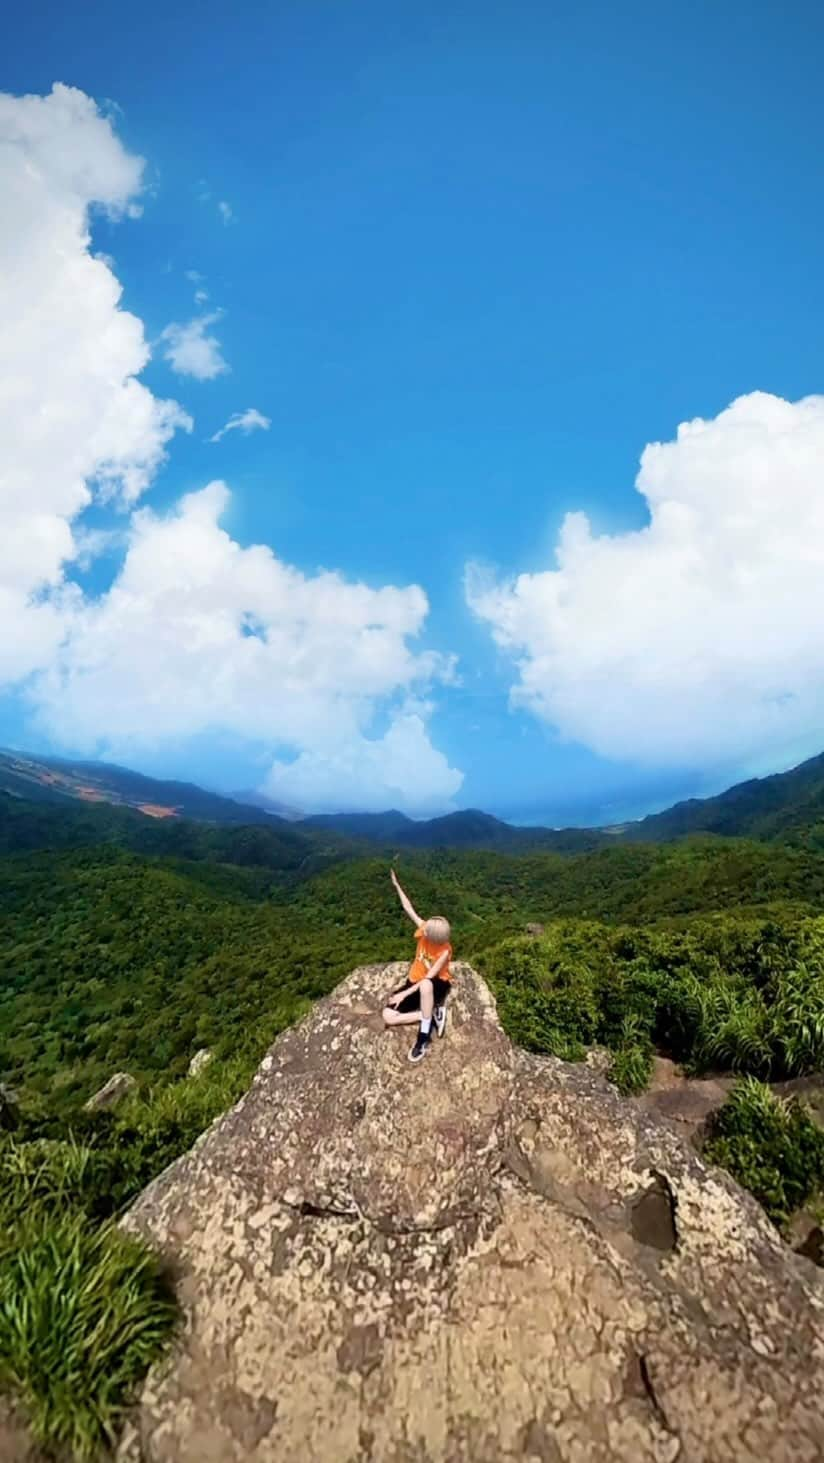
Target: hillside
[273,844]
[783,804]
[57,780]
[114,955]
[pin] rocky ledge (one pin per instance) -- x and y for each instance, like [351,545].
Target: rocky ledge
[487,1257]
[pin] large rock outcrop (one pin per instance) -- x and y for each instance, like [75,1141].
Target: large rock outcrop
[487,1257]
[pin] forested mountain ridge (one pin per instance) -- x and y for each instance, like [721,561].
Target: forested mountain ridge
[469,828]
[785,804]
[780,805]
[273,844]
[65,781]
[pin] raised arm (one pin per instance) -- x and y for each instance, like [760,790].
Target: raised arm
[407,905]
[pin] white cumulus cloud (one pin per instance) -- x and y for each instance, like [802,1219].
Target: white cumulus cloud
[75,422]
[400,769]
[192,351]
[225,211]
[197,632]
[246,421]
[696,640]
[200,634]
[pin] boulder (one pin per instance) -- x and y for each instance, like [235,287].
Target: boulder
[113,1092]
[200,1060]
[487,1257]
[535,929]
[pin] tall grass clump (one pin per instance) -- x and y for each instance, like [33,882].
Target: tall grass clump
[84,1311]
[770,1146]
[84,1308]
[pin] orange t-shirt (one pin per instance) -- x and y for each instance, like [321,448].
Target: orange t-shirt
[426,955]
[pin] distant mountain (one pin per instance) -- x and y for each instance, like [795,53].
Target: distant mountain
[467,829]
[785,804]
[392,825]
[764,807]
[55,779]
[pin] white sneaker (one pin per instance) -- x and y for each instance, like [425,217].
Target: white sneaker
[439,1019]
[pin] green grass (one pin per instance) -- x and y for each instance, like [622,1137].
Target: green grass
[84,1311]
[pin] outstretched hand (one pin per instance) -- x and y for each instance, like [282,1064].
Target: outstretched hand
[393,876]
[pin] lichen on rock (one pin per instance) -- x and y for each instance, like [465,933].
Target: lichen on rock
[488,1257]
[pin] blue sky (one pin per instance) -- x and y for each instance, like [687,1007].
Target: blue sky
[476,260]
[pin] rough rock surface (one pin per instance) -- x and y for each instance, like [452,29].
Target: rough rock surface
[488,1257]
[199,1062]
[16,1443]
[687,1102]
[112,1092]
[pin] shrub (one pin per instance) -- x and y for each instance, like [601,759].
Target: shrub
[737,994]
[546,1000]
[630,1068]
[632,1058]
[84,1311]
[770,1146]
[798,1019]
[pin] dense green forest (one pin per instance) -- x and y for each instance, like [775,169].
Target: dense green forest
[128,944]
[112,959]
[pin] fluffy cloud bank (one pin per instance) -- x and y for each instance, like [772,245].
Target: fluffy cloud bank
[197,633]
[75,422]
[695,641]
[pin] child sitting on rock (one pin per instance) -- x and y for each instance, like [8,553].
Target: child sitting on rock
[422,1000]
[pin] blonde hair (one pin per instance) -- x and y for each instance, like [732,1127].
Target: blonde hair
[437,930]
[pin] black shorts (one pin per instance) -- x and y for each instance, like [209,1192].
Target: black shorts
[412,999]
